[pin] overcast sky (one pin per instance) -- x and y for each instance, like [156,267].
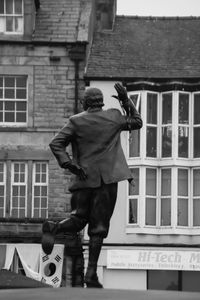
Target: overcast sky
[159,7]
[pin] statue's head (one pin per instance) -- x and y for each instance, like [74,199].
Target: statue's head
[93,98]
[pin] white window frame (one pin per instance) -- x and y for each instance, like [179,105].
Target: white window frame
[13,183]
[4,16]
[3,183]
[159,162]
[136,197]
[16,100]
[40,184]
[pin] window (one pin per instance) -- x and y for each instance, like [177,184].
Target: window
[27,189]
[164,157]
[11,16]
[173,280]
[18,208]
[133,197]
[2,189]
[13,100]
[40,186]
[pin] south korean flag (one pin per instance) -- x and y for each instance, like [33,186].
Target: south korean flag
[51,266]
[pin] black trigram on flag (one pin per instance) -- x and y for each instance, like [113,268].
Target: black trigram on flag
[57,258]
[55,279]
[45,258]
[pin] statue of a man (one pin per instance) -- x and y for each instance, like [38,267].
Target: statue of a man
[98,164]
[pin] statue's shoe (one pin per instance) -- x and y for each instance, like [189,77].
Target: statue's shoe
[48,236]
[93,282]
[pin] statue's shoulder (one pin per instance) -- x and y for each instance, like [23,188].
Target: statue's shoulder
[113,111]
[76,116]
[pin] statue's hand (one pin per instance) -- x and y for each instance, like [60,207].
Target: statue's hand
[76,170]
[121,91]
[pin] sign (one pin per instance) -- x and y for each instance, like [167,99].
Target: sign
[154,260]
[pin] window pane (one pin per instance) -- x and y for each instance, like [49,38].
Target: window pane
[21,81]
[167,141]
[9,24]
[43,202]
[151,141]
[15,202]
[151,182]
[1,190]
[15,190]
[150,211]
[2,7]
[134,190]
[44,190]
[196,182]
[183,212]
[183,137]
[18,6]
[37,190]
[22,213]
[9,82]
[132,211]
[21,94]
[167,109]
[15,213]
[190,281]
[9,105]
[9,93]
[151,108]
[196,108]
[165,211]
[2,24]
[22,202]
[197,142]
[196,212]
[18,21]
[9,116]
[183,108]
[134,143]
[36,202]
[21,105]
[182,182]
[36,213]
[135,98]
[21,117]
[9,6]
[43,213]
[43,178]
[163,280]
[165,182]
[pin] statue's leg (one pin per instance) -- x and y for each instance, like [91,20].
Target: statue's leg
[101,210]
[80,203]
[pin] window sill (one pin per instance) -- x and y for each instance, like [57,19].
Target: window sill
[162,231]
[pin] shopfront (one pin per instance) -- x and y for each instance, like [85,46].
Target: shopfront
[151,269]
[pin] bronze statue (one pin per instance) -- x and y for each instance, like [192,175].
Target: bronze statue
[98,165]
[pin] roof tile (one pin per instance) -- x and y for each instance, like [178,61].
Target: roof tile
[147,47]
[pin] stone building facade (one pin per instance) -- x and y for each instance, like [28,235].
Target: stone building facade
[43,47]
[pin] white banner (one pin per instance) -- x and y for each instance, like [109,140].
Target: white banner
[154,259]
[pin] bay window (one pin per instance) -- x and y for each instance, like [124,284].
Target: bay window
[164,157]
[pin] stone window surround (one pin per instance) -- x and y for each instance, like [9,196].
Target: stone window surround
[22,70]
